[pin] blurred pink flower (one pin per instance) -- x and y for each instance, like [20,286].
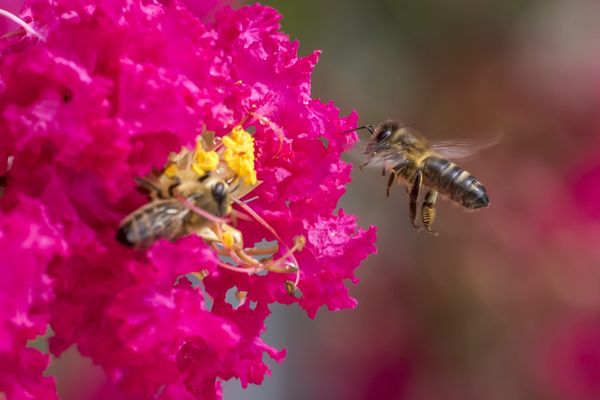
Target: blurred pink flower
[571,366]
[114,88]
[586,189]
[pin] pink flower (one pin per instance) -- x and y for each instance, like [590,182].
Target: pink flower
[571,360]
[28,244]
[115,87]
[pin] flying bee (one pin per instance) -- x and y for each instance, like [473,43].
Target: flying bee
[409,156]
[171,218]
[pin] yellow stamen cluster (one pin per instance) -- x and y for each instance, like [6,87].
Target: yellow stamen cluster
[228,240]
[204,161]
[170,170]
[239,154]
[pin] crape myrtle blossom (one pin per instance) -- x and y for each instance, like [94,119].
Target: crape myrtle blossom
[104,92]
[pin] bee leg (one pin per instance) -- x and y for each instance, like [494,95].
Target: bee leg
[398,170]
[173,186]
[148,186]
[390,181]
[428,210]
[414,196]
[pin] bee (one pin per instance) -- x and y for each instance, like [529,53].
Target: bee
[409,156]
[170,217]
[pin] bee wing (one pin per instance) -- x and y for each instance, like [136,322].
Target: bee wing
[385,158]
[457,149]
[201,208]
[389,154]
[241,189]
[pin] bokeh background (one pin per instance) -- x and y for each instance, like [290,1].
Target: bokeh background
[505,303]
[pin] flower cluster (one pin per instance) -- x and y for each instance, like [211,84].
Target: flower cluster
[103,95]
[186,183]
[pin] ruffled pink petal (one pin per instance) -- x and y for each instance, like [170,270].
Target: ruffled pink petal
[116,87]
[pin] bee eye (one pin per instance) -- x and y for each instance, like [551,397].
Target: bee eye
[218,191]
[384,135]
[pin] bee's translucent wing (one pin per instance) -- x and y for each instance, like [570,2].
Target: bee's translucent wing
[241,189]
[457,149]
[382,159]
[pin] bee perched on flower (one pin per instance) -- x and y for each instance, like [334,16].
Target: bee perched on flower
[193,193]
[96,93]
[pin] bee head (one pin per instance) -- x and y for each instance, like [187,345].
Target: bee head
[384,131]
[382,135]
[219,192]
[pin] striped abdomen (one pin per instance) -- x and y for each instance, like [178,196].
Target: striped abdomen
[163,219]
[453,181]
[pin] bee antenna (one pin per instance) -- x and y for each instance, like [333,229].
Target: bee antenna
[370,128]
[235,188]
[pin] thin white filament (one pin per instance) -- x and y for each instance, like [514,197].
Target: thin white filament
[21,23]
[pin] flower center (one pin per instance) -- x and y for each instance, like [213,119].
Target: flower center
[231,160]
